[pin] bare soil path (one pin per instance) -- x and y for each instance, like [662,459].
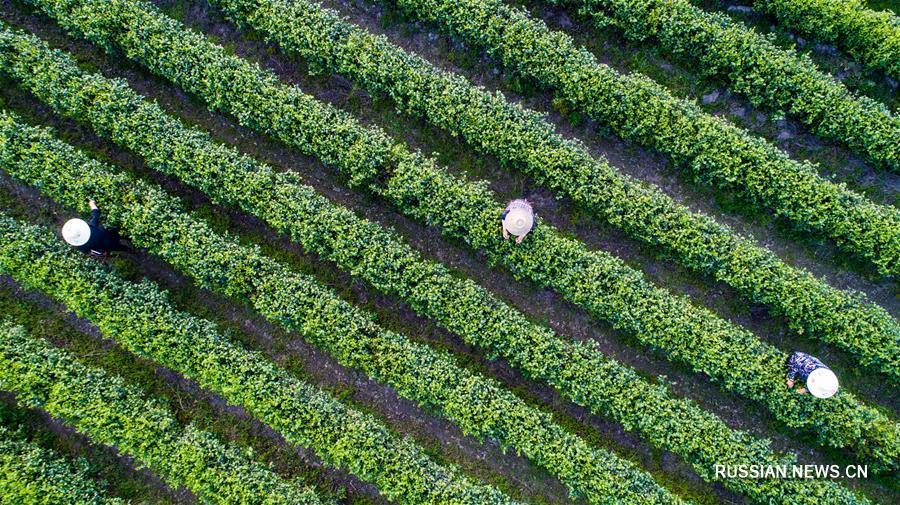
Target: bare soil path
[538,304]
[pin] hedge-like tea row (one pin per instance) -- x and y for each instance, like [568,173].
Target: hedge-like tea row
[593,279]
[363,248]
[109,411]
[640,110]
[140,317]
[479,406]
[756,67]
[870,36]
[30,474]
[523,139]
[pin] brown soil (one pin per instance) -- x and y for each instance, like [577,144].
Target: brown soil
[538,304]
[354,487]
[77,445]
[513,473]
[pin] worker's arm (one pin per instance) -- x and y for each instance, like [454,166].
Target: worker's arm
[521,237]
[792,370]
[95,213]
[95,218]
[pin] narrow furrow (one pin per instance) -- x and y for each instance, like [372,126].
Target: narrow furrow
[112,412]
[709,148]
[520,138]
[30,472]
[479,406]
[378,256]
[141,319]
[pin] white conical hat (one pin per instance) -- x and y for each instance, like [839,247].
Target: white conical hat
[518,221]
[76,232]
[822,383]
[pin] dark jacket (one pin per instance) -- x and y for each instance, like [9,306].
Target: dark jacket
[101,240]
[801,365]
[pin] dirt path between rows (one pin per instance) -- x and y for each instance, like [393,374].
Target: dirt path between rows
[818,256]
[539,304]
[517,475]
[76,445]
[355,488]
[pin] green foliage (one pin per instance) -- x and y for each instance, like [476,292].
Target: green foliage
[109,411]
[640,110]
[32,475]
[870,36]
[480,407]
[364,249]
[522,139]
[595,280]
[141,319]
[756,67]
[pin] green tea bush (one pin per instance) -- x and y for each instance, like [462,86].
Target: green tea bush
[108,411]
[595,280]
[870,36]
[141,319]
[377,255]
[31,474]
[637,109]
[523,139]
[479,406]
[756,67]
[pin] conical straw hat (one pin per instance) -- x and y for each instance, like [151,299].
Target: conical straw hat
[822,383]
[76,232]
[518,221]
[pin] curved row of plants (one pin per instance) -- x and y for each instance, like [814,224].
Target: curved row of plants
[756,67]
[110,411]
[30,473]
[595,280]
[366,250]
[479,406]
[872,37]
[140,317]
[637,109]
[523,139]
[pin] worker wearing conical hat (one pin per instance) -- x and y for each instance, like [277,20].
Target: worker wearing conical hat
[89,236]
[517,219]
[821,382]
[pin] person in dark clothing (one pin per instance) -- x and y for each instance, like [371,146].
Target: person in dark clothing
[91,237]
[820,380]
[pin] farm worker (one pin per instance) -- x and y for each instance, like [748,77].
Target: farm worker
[517,219]
[820,380]
[90,237]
